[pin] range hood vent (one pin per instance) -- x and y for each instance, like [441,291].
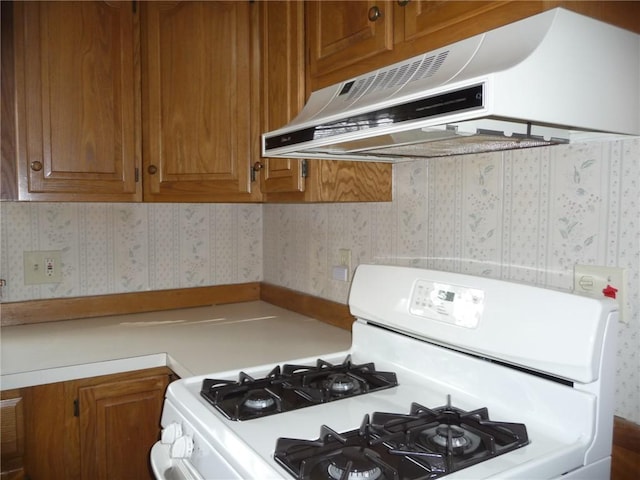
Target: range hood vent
[557,77]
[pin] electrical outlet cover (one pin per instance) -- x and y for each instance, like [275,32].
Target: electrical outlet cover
[593,279]
[43,266]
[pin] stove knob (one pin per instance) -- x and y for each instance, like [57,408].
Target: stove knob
[170,433]
[182,447]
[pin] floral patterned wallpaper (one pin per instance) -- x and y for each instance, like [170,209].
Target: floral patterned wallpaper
[115,248]
[527,216]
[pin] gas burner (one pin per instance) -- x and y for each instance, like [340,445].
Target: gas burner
[259,400]
[353,463]
[451,439]
[342,384]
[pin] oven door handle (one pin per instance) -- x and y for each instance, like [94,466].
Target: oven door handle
[166,468]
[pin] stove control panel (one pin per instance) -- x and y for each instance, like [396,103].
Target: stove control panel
[454,304]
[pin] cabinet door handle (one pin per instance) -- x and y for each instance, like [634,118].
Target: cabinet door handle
[374,13]
[255,169]
[402,3]
[36,166]
[152,169]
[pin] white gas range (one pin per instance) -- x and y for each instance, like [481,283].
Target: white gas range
[448,375]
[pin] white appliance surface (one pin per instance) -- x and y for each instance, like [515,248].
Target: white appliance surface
[568,419]
[440,102]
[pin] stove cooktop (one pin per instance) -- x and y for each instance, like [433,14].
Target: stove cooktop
[291,387]
[424,444]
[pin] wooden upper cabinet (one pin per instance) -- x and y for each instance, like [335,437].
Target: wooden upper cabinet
[341,47]
[351,38]
[429,17]
[283,94]
[425,25]
[341,33]
[196,108]
[76,92]
[282,84]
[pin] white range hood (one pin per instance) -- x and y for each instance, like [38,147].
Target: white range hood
[557,77]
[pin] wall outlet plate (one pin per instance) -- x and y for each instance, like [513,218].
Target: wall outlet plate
[43,266]
[593,279]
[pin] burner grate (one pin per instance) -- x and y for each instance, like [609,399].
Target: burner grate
[424,444]
[291,387]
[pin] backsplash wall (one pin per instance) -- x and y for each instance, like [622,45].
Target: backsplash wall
[129,247]
[527,215]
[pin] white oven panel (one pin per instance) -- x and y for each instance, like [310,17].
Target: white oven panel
[454,304]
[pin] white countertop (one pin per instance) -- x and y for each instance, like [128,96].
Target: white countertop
[194,341]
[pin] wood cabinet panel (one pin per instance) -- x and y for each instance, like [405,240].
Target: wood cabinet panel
[282,84]
[119,422]
[48,424]
[342,34]
[76,95]
[11,435]
[426,17]
[283,89]
[8,164]
[420,26]
[625,458]
[196,107]
[94,428]
[342,181]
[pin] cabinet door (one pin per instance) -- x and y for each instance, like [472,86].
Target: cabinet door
[430,24]
[196,76]
[12,424]
[428,17]
[119,423]
[345,33]
[76,96]
[282,47]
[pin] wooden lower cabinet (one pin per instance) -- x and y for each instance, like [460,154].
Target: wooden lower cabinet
[95,428]
[12,435]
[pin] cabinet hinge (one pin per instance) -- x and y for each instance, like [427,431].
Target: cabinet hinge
[305,168]
[134,6]
[76,407]
[137,175]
